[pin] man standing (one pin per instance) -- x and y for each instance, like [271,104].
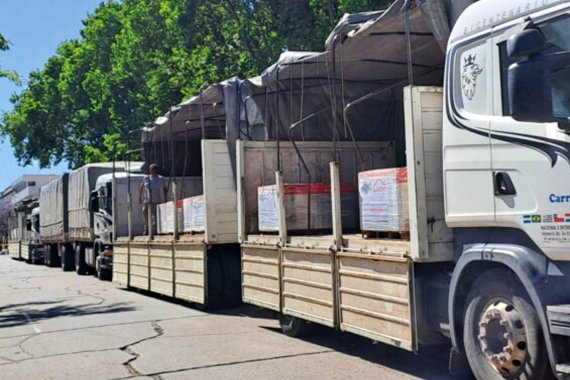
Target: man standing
[152,192]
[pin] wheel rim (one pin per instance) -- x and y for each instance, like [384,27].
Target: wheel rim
[503,339]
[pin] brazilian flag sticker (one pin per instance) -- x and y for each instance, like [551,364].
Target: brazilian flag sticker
[536,219]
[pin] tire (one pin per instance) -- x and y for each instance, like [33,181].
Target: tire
[497,304]
[80,265]
[293,327]
[67,258]
[104,274]
[51,258]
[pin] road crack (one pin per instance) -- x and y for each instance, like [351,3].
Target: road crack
[158,375]
[159,331]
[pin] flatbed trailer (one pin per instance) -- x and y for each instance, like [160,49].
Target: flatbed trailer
[344,280]
[194,255]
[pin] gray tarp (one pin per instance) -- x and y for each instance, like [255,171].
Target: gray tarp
[81,182]
[53,210]
[366,52]
[173,140]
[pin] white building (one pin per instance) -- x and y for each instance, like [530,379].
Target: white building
[27,187]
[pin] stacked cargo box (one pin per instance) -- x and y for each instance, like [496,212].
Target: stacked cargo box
[384,200]
[296,200]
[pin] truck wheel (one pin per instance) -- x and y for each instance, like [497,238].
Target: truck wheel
[293,326]
[104,274]
[80,266]
[53,258]
[502,334]
[67,257]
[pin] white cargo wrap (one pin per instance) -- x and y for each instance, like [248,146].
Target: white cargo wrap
[53,210]
[384,200]
[191,215]
[165,217]
[185,187]
[194,214]
[296,199]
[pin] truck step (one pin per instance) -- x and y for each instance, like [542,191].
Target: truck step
[559,319]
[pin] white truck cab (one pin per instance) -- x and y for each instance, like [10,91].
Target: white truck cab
[109,206]
[505,170]
[506,173]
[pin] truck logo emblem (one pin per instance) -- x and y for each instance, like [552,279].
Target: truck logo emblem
[471,70]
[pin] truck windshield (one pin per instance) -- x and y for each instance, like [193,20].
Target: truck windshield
[557,33]
[105,200]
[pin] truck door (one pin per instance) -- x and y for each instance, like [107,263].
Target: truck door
[469,199]
[531,160]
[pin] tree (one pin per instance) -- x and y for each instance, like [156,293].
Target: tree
[11,75]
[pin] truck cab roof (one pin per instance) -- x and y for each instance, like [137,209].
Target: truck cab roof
[105,178]
[487,14]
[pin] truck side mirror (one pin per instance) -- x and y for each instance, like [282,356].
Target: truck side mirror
[525,44]
[94,202]
[529,80]
[530,90]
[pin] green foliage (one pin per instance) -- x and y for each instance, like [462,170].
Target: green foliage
[135,58]
[8,74]
[352,6]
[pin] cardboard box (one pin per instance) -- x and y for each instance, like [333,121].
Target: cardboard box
[296,207]
[165,217]
[384,200]
[194,214]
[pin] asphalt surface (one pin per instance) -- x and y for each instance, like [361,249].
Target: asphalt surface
[56,325]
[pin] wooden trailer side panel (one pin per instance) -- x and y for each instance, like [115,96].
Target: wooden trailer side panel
[308,285]
[261,276]
[161,269]
[121,263]
[24,251]
[430,237]
[139,266]
[376,298]
[14,250]
[220,194]
[190,272]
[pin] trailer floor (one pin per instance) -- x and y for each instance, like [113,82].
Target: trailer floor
[56,325]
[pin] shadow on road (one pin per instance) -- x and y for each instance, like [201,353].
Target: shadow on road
[430,363]
[20,314]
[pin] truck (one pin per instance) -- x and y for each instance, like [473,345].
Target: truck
[24,198]
[472,103]
[109,203]
[54,224]
[19,234]
[468,102]
[35,246]
[193,256]
[67,222]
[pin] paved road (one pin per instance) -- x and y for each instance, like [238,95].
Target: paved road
[56,325]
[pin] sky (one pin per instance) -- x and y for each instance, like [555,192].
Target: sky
[34,28]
